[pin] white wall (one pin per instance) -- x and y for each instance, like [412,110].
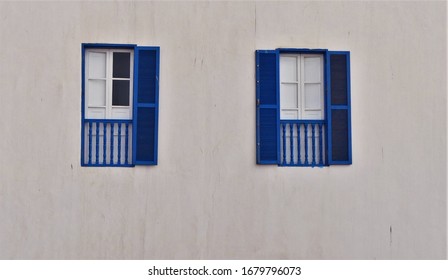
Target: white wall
[207,198]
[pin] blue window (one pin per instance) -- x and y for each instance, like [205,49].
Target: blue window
[303,107]
[120,97]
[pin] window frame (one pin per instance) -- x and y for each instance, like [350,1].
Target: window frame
[135,104]
[324,53]
[99,46]
[265,155]
[109,79]
[301,108]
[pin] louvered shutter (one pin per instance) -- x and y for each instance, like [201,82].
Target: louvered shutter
[338,114]
[146,104]
[267,107]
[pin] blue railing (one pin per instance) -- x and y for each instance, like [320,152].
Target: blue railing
[302,143]
[107,142]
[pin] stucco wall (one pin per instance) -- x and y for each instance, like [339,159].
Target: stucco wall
[207,198]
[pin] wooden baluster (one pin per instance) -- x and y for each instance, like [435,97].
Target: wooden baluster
[119,143]
[313,161]
[97,142]
[104,141]
[112,142]
[306,144]
[284,143]
[90,143]
[321,161]
[126,145]
[291,161]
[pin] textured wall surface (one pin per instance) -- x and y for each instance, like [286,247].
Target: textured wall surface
[207,198]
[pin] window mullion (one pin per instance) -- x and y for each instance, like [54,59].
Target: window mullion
[109,84]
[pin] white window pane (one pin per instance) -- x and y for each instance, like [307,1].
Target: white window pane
[288,69]
[288,96]
[313,96]
[313,69]
[289,114]
[97,93]
[97,65]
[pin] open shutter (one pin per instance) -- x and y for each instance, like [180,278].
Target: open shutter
[146,105]
[267,107]
[338,109]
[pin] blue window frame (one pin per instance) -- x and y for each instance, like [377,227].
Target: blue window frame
[119,101]
[303,142]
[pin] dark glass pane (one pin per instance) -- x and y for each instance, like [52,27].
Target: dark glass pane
[122,65]
[120,93]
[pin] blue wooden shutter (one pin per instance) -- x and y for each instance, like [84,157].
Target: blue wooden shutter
[146,105]
[267,107]
[338,109]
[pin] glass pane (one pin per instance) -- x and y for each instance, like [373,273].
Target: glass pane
[97,65]
[122,65]
[313,96]
[120,93]
[312,69]
[288,96]
[288,68]
[96,93]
